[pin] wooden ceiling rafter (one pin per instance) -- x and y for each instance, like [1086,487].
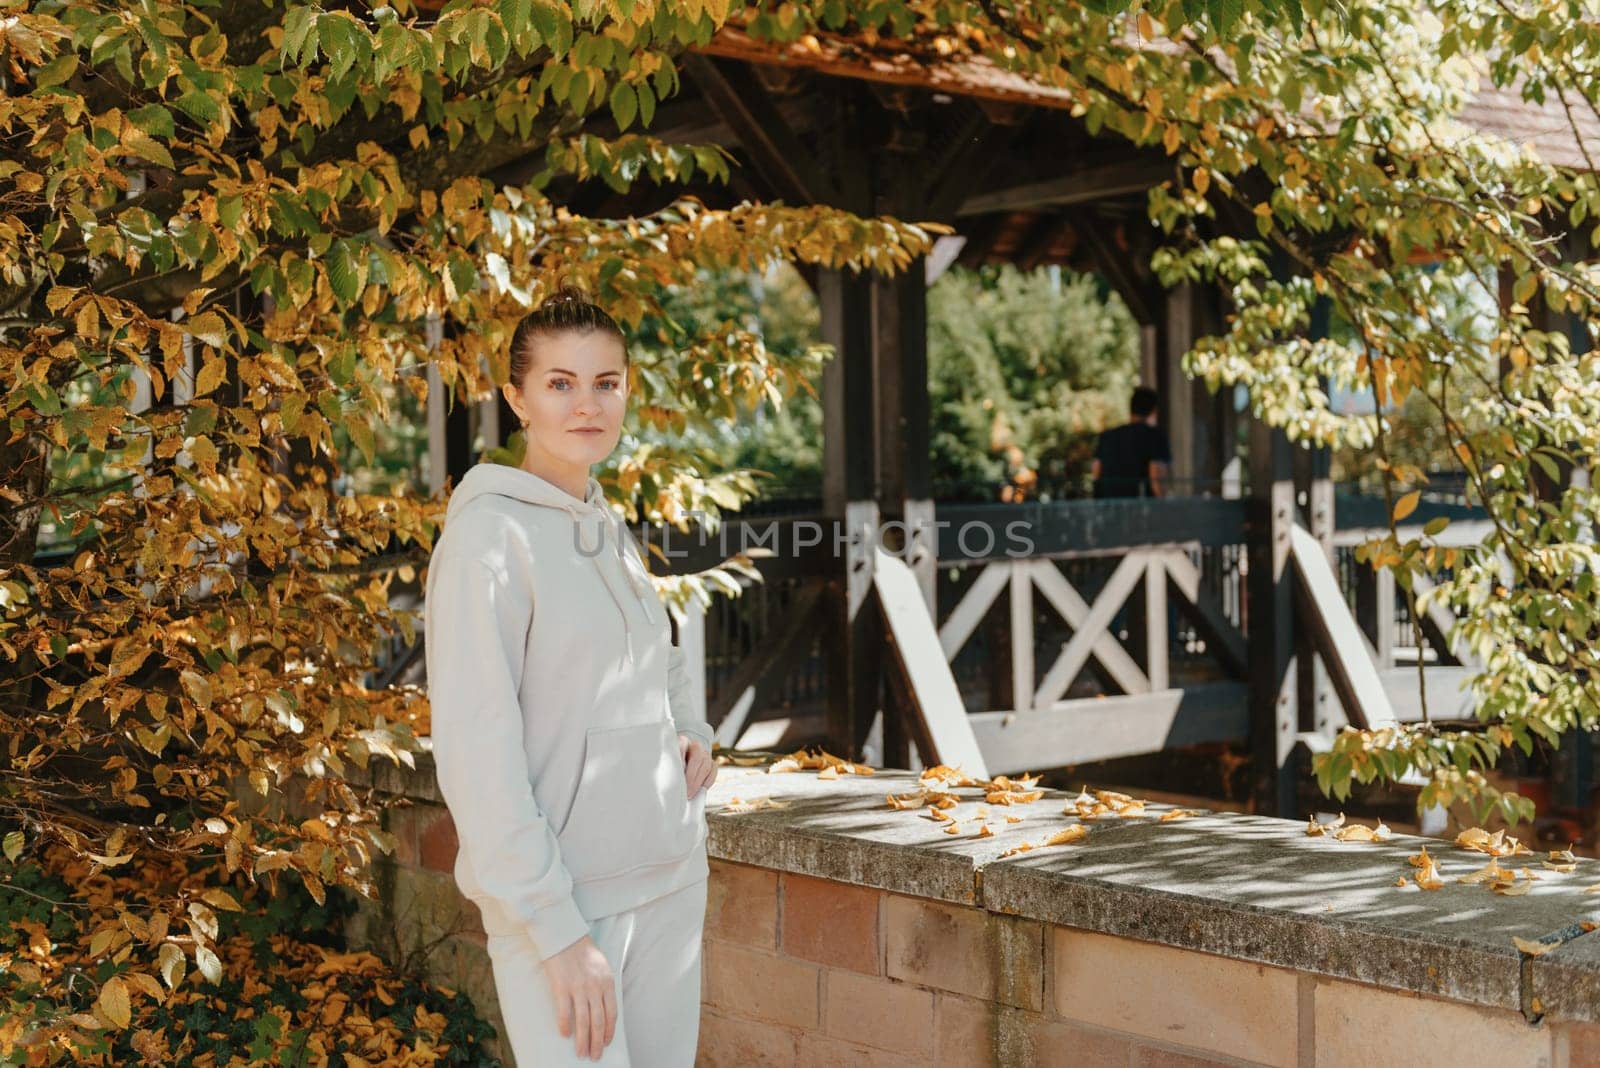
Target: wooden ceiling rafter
[1116,266]
[773,147]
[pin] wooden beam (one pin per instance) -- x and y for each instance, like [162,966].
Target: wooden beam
[1102,182]
[759,677]
[965,163]
[1047,230]
[1075,610]
[981,238]
[974,605]
[775,150]
[937,719]
[1076,652]
[1337,636]
[972,532]
[1273,721]
[1105,728]
[1222,638]
[1117,268]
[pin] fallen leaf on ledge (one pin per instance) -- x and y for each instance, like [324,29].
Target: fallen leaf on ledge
[1491,874]
[1427,875]
[1018,819]
[984,831]
[1561,860]
[829,772]
[1534,949]
[1357,832]
[1068,834]
[1314,828]
[1178,814]
[738,804]
[1498,844]
[954,828]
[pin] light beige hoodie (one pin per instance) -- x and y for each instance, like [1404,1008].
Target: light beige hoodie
[557,698]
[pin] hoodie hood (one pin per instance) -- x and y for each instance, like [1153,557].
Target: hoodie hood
[600,530]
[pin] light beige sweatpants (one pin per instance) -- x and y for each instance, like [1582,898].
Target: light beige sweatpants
[654,952]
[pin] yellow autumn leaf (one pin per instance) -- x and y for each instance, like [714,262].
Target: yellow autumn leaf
[1067,835]
[113,1002]
[1534,949]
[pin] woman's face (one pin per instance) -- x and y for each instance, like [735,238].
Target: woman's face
[573,397]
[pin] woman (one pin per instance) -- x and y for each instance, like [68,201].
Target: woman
[565,746]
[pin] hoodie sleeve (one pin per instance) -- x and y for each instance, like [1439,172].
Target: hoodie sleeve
[476,623]
[686,718]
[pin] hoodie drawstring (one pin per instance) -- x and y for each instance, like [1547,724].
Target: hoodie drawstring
[643,592]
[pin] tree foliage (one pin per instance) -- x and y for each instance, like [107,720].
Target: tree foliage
[1338,136]
[225,233]
[226,228]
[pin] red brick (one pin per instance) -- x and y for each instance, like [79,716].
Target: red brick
[1151,1057]
[983,1034]
[832,923]
[729,1042]
[1353,1019]
[965,951]
[1207,1004]
[749,983]
[965,1030]
[436,841]
[822,1050]
[742,904]
[1050,1043]
[878,1012]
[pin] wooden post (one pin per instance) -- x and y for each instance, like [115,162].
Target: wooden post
[1177,401]
[1271,621]
[849,490]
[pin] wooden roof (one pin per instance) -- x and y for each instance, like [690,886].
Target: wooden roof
[1498,112]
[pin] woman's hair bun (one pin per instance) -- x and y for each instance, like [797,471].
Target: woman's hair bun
[566,294]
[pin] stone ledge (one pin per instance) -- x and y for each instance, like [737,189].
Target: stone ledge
[1244,887]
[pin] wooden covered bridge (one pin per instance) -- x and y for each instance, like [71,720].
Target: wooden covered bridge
[1061,650]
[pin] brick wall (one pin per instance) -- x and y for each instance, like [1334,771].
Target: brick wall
[804,971]
[891,960]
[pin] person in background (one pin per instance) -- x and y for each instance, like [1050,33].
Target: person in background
[1133,460]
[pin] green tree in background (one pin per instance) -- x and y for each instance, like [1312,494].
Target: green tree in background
[1035,361]
[1024,369]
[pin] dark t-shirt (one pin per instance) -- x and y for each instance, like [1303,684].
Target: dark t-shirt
[1125,454]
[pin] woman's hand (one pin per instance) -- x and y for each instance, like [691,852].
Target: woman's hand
[585,995]
[699,770]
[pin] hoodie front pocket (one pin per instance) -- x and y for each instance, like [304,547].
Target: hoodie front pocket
[630,810]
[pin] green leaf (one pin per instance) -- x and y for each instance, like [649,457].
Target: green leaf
[346,263]
[647,104]
[463,275]
[13,846]
[1435,526]
[201,107]
[1224,14]
[56,71]
[153,119]
[624,105]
